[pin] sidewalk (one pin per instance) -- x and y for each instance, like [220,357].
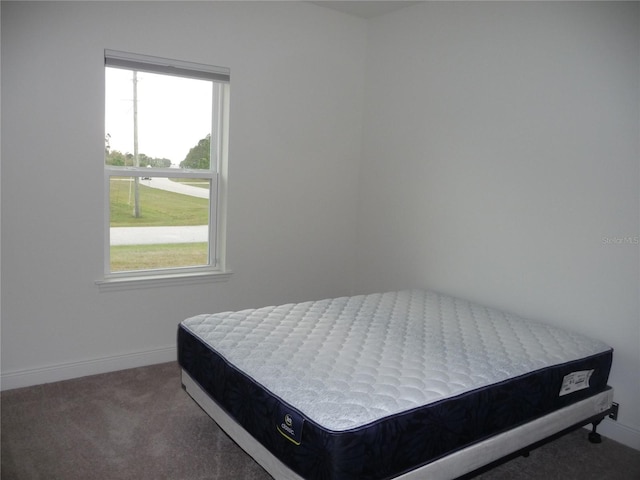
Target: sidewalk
[154,235]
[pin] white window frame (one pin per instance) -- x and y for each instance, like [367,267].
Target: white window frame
[216,270]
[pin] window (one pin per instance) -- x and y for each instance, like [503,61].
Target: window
[166,144]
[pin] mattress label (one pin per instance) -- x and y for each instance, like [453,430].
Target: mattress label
[290,424]
[604,402]
[575,381]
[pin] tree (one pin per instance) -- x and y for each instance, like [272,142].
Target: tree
[160,162]
[199,156]
[115,157]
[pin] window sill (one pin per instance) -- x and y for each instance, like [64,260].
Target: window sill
[113,284]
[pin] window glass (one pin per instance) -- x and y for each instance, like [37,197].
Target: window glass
[171,230]
[174,115]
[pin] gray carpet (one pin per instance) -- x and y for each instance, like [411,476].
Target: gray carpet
[139,424]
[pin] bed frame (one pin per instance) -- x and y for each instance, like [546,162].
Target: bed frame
[462,464]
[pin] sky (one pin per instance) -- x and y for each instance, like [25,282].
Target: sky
[174,113]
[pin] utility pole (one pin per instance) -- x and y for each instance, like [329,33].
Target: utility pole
[136,159]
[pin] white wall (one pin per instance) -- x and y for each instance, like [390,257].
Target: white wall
[296,104]
[501,145]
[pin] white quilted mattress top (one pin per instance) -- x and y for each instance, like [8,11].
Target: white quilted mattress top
[349,361]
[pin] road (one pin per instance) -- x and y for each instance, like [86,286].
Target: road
[177,187]
[154,235]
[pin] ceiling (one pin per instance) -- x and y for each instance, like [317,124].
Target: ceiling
[365,8]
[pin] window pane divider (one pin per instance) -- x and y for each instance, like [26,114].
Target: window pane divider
[112,171]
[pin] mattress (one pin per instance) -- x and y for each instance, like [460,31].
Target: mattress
[375,386]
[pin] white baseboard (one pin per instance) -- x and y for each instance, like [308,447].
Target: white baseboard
[66,371]
[619,432]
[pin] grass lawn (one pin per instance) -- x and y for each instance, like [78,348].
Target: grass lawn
[148,257]
[157,207]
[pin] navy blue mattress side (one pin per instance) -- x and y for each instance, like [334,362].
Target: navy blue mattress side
[393,445]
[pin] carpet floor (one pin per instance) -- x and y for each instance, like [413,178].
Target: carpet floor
[139,424]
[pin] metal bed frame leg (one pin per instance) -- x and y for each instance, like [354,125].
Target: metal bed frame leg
[594,437]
